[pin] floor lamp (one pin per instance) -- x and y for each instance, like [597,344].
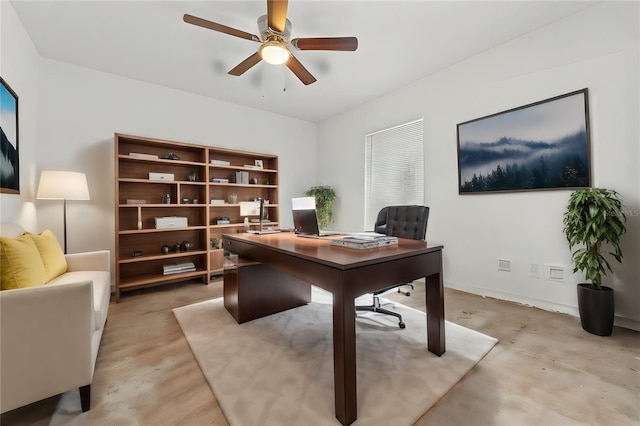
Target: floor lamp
[63,186]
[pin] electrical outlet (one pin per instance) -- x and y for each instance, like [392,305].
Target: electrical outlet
[556,273]
[534,270]
[504,265]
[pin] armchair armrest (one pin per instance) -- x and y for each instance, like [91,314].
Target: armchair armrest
[89,261]
[46,334]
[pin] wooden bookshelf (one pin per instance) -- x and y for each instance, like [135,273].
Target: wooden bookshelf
[187,171]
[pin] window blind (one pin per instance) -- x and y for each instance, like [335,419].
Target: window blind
[394,169]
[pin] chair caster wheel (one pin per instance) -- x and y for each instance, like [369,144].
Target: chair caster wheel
[401,325]
[408,293]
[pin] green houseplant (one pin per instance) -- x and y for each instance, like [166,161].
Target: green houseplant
[594,221]
[325,197]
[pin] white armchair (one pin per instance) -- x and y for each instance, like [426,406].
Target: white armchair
[50,334]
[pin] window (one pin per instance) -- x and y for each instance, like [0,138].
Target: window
[393,168]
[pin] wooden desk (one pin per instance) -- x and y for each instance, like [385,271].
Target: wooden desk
[347,274]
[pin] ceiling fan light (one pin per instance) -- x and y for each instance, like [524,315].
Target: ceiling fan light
[274,53]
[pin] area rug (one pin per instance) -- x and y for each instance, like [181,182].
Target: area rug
[278,370]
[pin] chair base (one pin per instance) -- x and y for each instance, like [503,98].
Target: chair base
[408,292]
[377,307]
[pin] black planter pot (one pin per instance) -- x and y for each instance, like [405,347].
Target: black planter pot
[596,309]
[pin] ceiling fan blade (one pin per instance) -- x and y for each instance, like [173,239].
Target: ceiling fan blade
[194,20]
[244,66]
[277,14]
[300,71]
[326,43]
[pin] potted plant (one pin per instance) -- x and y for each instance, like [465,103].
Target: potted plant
[594,221]
[325,197]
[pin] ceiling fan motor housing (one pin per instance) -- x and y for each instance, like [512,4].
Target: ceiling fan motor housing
[266,32]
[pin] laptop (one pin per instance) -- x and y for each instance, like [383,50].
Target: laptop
[305,218]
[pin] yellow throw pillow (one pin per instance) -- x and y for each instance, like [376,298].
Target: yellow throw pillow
[53,258]
[20,263]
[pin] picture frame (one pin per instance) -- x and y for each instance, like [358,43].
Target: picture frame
[9,154]
[544,145]
[259,164]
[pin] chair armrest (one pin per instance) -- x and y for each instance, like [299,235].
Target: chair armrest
[89,261]
[46,334]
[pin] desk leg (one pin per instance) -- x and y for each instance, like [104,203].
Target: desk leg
[344,358]
[435,314]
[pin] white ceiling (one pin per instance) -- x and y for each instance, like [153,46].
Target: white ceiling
[399,42]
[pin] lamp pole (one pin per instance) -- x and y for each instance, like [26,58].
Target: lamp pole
[261,212]
[64,216]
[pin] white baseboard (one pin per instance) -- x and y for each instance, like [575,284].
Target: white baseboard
[627,323]
[536,303]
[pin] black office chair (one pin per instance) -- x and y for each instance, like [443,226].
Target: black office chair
[402,222]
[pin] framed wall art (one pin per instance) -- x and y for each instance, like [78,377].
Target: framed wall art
[541,146]
[9,160]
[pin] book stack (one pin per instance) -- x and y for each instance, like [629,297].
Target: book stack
[242,177]
[220,162]
[364,242]
[178,268]
[219,180]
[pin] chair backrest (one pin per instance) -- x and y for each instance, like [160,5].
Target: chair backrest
[403,221]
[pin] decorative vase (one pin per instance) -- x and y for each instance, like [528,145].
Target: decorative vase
[233,198]
[596,309]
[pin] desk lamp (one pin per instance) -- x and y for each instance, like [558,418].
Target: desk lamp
[252,208]
[255,208]
[63,186]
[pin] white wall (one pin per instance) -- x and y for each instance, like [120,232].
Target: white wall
[80,109]
[68,117]
[598,49]
[18,67]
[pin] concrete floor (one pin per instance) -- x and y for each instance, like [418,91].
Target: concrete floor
[545,370]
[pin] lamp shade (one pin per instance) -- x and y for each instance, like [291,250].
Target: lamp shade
[56,185]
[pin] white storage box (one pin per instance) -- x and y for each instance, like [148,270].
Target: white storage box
[161,176]
[171,222]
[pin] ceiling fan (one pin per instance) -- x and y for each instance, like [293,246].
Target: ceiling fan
[275,31]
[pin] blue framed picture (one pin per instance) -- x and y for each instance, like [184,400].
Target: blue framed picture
[9,160]
[540,146]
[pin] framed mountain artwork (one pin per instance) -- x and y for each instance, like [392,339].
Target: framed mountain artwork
[541,146]
[9,161]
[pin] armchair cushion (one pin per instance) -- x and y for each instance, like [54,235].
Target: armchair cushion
[53,258]
[21,263]
[101,284]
